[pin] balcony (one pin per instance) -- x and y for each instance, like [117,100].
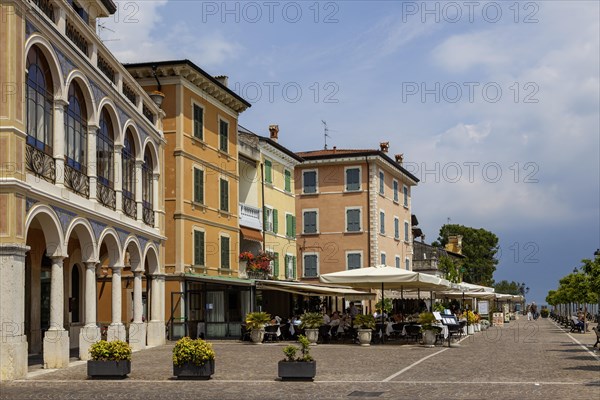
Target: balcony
[106,195]
[250,216]
[77,181]
[129,206]
[148,215]
[40,163]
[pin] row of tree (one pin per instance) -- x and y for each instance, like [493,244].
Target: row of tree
[582,286]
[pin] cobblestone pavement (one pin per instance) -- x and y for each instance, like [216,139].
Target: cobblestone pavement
[521,360]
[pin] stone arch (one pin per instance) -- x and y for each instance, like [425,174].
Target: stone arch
[151,147]
[46,48]
[85,233]
[136,138]
[135,253]
[115,253]
[151,256]
[114,116]
[51,226]
[84,85]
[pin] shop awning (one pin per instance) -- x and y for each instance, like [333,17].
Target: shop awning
[222,280]
[309,289]
[251,234]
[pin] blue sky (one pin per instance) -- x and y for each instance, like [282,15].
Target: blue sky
[495,105]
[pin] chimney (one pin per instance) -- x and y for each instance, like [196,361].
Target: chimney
[384,146]
[224,79]
[399,158]
[274,132]
[454,244]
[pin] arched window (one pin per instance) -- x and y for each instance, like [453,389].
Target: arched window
[39,100]
[148,188]
[128,161]
[105,146]
[76,130]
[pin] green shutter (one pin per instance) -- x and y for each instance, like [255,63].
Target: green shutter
[225,253]
[294,267]
[288,181]
[198,248]
[275,222]
[276,265]
[198,186]
[288,225]
[268,172]
[224,195]
[293,226]
[265,220]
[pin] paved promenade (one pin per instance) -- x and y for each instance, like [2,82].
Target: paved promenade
[521,360]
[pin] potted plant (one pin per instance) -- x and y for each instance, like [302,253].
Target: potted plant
[302,368]
[109,359]
[260,266]
[193,359]
[365,323]
[471,321]
[429,331]
[255,322]
[485,324]
[310,322]
[544,313]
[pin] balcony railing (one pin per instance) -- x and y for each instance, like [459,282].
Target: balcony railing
[147,113]
[129,93]
[148,215]
[250,216]
[41,164]
[106,69]
[77,181]
[129,207]
[77,38]
[46,7]
[106,195]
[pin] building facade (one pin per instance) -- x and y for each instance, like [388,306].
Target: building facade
[353,209]
[203,292]
[81,198]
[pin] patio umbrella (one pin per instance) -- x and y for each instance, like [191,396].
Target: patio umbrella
[382,276]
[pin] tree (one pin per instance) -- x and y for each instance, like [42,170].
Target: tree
[507,287]
[592,270]
[450,268]
[479,246]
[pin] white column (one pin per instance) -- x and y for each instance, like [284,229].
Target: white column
[156,326]
[138,189]
[116,330]
[155,197]
[137,329]
[58,141]
[56,339]
[90,333]
[91,162]
[118,177]
[155,300]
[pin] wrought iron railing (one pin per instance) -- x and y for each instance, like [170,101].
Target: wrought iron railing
[46,7]
[106,69]
[77,181]
[77,38]
[106,195]
[129,93]
[148,215]
[148,113]
[40,163]
[129,207]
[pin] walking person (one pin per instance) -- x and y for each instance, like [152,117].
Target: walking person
[529,312]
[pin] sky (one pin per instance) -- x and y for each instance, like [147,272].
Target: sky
[495,105]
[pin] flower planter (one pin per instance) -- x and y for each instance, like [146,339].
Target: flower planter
[312,335]
[364,336]
[429,337]
[257,335]
[471,330]
[297,370]
[191,371]
[108,369]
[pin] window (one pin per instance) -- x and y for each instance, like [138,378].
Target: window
[352,179]
[270,219]
[311,265]
[397,261]
[309,182]
[290,266]
[223,135]
[76,130]
[290,226]
[147,180]
[310,222]
[198,248]
[382,222]
[105,149]
[407,263]
[406,229]
[396,228]
[382,258]
[395,190]
[353,260]
[128,161]
[225,253]
[353,220]
[198,122]
[40,99]
[381,183]
[224,201]
[405,193]
[198,186]
[268,171]
[288,181]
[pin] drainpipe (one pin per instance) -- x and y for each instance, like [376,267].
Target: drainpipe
[262,186]
[368,210]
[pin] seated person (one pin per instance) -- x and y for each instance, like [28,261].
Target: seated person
[326,318]
[296,320]
[335,319]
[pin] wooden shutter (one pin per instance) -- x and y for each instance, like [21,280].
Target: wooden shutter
[276,265]
[288,181]
[198,248]
[268,172]
[224,195]
[225,253]
[294,266]
[293,226]
[275,221]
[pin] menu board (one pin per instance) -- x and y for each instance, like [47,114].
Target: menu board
[482,306]
[498,318]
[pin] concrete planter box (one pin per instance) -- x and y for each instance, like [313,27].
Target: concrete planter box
[191,371]
[108,369]
[297,370]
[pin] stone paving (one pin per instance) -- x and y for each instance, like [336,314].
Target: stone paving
[521,360]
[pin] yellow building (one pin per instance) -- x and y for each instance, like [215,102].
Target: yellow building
[203,292]
[81,189]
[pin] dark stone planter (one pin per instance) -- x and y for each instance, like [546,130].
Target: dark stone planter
[297,370]
[191,371]
[108,369]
